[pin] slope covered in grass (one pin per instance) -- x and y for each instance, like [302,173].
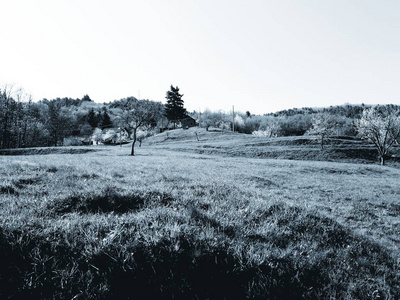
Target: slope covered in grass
[170,224]
[47,150]
[340,149]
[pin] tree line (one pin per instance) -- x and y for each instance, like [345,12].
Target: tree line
[24,123]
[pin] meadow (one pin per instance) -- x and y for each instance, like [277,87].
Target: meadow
[198,215]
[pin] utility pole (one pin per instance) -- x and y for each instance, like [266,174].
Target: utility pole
[199,118]
[120,131]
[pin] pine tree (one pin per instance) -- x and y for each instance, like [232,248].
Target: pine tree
[106,122]
[92,118]
[174,109]
[86,98]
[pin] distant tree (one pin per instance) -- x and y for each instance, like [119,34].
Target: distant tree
[97,135]
[110,136]
[143,133]
[206,119]
[60,122]
[269,127]
[136,114]
[54,123]
[86,98]
[381,126]
[85,130]
[99,117]
[7,105]
[19,119]
[294,125]
[239,123]
[174,109]
[322,126]
[215,119]
[37,124]
[106,120]
[92,118]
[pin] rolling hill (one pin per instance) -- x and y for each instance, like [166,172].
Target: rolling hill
[217,215]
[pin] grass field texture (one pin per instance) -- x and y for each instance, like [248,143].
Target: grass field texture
[200,217]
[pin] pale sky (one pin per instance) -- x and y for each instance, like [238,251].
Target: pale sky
[260,56]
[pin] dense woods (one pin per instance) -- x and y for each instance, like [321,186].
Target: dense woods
[55,122]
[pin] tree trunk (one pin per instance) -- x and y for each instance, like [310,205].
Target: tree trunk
[133,143]
[382,158]
[322,142]
[133,148]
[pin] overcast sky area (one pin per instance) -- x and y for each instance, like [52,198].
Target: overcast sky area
[260,56]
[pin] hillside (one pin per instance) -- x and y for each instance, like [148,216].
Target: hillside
[339,149]
[175,222]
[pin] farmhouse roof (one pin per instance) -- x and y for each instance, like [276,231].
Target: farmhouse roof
[187,118]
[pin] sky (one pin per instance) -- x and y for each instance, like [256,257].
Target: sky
[256,55]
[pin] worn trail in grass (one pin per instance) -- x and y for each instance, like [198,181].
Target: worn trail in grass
[168,223]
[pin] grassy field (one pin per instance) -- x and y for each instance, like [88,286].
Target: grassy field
[213,216]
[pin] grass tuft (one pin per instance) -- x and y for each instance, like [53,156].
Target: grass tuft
[22,182]
[51,170]
[90,176]
[8,189]
[107,201]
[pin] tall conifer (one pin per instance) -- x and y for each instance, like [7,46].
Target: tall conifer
[174,109]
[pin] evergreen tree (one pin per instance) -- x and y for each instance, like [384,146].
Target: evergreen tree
[99,117]
[92,118]
[106,122]
[174,109]
[86,98]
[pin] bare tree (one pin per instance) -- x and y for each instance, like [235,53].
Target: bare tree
[6,115]
[12,117]
[322,126]
[138,113]
[380,126]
